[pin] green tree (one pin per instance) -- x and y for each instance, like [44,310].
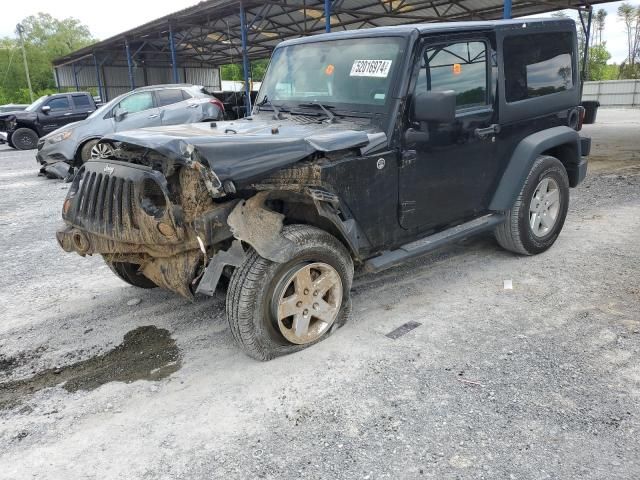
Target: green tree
[630,16]
[234,71]
[45,39]
[598,58]
[601,18]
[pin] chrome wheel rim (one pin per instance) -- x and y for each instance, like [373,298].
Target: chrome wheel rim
[101,150]
[309,302]
[545,207]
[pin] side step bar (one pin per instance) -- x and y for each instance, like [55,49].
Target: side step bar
[432,242]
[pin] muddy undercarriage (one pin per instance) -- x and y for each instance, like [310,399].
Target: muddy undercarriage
[176,224]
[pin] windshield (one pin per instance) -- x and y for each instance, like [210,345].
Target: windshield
[35,105]
[356,72]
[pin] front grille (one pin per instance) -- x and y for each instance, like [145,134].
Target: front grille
[120,201]
[104,203]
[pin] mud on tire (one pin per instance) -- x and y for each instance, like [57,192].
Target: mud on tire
[253,285]
[129,273]
[516,233]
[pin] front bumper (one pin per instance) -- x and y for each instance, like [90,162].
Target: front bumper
[48,154]
[119,202]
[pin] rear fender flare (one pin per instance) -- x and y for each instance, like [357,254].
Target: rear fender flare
[523,158]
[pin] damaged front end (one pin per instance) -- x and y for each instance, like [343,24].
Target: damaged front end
[169,219]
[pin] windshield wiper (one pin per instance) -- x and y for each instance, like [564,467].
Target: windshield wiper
[266,101]
[325,108]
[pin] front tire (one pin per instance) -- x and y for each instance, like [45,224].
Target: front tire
[92,149]
[275,309]
[129,272]
[24,139]
[536,219]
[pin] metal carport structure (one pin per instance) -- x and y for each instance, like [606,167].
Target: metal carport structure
[190,45]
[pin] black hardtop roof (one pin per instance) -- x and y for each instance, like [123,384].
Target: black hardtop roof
[426,28]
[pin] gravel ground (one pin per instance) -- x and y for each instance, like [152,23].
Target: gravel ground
[542,381]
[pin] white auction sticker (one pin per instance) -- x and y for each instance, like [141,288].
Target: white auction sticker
[370,68]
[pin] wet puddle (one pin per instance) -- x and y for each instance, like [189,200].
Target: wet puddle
[146,353]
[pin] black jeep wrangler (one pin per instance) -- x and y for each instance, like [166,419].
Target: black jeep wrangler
[365,148]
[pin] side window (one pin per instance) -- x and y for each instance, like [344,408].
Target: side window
[537,64]
[81,102]
[461,67]
[169,96]
[60,103]
[137,102]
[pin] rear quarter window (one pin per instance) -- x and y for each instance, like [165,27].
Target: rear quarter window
[169,96]
[538,64]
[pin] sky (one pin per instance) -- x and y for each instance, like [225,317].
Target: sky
[108,18]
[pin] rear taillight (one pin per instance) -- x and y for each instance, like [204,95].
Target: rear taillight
[217,103]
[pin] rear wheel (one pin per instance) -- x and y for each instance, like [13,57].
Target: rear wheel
[24,139]
[129,272]
[279,308]
[536,219]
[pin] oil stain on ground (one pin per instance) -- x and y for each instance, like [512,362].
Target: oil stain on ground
[146,353]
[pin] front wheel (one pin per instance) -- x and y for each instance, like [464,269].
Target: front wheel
[24,139]
[278,308]
[130,273]
[536,219]
[94,149]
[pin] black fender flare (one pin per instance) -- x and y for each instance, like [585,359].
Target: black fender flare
[524,156]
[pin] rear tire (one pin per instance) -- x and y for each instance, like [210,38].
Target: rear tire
[24,139]
[129,272]
[260,288]
[535,220]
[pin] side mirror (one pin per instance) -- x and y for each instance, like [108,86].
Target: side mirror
[46,109]
[435,107]
[119,114]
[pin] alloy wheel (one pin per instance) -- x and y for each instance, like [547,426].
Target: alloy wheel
[544,207]
[309,302]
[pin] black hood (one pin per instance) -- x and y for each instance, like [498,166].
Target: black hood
[245,149]
[8,117]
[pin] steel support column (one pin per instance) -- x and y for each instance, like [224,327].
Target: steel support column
[585,59]
[98,79]
[245,59]
[506,13]
[55,72]
[174,57]
[75,77]
[132,80]
[327,16]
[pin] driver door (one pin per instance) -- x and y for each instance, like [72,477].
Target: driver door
[141,112]
[448,169]
[58,116]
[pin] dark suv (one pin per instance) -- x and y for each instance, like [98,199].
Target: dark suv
[365,148]
[43,116]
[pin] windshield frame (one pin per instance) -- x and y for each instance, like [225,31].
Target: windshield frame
[340,108]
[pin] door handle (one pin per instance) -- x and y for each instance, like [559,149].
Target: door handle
[485,132]
[67,114]
[195,105]
[155,115]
